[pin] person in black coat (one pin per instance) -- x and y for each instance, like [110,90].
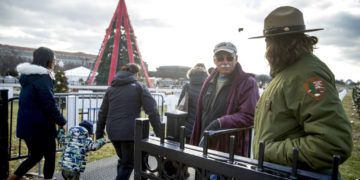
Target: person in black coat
[120,107]
[38,113]
[197,75]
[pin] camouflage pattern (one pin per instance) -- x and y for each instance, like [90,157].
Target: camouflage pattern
[76,146]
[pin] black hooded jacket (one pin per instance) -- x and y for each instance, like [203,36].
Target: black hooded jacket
[122,105]
[38,113]
[197,78]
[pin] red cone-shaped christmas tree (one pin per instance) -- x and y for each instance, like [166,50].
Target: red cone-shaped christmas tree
[118,48]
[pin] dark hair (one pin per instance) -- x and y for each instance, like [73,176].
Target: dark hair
[88,126]
[131,67]
[211,69]
[43,56]
[283,51]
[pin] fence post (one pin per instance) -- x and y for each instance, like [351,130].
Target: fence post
[141,132]
[4,135]
[72,109]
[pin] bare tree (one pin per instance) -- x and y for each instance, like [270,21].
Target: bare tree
[8,62]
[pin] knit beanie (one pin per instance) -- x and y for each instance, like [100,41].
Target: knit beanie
[87,125]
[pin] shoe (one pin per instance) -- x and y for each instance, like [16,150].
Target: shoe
[15,177]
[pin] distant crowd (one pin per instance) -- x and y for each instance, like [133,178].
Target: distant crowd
[356,98]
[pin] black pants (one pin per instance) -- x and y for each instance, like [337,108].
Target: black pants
[37,150]
[125,152]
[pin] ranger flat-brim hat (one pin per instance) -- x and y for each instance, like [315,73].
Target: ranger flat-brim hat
[284,20]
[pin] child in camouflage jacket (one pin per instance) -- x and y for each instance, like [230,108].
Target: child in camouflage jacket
[77,143]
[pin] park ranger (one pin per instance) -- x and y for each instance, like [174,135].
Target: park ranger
[300,108]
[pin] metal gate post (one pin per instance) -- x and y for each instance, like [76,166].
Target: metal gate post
[141,132]
[4,135]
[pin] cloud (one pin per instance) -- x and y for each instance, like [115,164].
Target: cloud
[342,29]
[68,25]
[185,30]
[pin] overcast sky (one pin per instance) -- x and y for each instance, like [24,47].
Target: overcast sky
[183,32]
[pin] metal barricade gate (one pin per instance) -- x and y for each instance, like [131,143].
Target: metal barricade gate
[77,106]
[207,163]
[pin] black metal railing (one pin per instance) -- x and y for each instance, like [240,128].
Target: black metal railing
[4,134]
[206,163]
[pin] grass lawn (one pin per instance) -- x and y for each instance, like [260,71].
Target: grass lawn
[350,170]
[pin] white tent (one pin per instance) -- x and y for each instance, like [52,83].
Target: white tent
[74,75]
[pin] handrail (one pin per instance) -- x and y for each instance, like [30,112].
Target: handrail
[213,133]
[205,162]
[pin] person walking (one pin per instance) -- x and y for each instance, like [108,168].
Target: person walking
[38,114]
[77,143]
[120,107]
[300,108]
[227,100]
[197,75]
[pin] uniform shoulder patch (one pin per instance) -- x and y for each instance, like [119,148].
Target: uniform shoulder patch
[314,86]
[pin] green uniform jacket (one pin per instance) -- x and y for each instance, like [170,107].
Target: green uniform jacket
[301,108]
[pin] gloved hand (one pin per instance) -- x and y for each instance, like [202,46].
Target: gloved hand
[214,125]
[61,136]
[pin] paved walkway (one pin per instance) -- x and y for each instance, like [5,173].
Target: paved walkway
[104,169]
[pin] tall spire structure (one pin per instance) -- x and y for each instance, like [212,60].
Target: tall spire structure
[118,48]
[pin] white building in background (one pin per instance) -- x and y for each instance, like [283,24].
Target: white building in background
[77,75]
[74,58]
